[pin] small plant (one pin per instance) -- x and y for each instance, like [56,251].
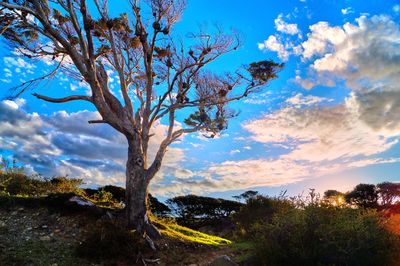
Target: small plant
[9,170]
[103,196]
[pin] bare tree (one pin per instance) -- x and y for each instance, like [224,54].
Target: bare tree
[159,74]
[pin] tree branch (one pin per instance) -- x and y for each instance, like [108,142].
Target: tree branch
[97,122]
[63,100]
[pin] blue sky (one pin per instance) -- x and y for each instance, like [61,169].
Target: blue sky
[329,121]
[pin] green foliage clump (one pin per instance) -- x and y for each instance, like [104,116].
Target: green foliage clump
[9,170]
[21,184]
[64,184]
[103,196]
[14,181]
[364,196]
[264,70]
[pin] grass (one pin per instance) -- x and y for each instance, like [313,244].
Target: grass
[39,253]
[101,245]
[172,230]
[244,250]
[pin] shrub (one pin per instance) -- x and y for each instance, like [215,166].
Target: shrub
[21,184]
[118,193]
[103,196]
[259,209]
[18,184]
[64,184]
[323,235]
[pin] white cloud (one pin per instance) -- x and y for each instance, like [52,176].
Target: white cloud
[65,144]
[364,55]
[233,152]
[323,133]
[72,87]
[273,44]
[396,8]
[368,49]
[319,141]
[281,42]
[17,62]
[285,27]
[259,98]
[308,100]
[347,10]
[321,39]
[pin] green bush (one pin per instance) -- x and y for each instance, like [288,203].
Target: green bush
[64,184]
[258,209]
[323,235]
[103,196]
[16,183]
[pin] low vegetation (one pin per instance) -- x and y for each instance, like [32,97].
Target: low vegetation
[359,227]
[318,234]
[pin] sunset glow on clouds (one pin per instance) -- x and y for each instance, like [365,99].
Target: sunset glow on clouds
[333,109]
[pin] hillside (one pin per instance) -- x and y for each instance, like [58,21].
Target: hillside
[36,231]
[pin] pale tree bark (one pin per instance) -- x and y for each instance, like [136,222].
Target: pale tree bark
[165,76]
[137,189]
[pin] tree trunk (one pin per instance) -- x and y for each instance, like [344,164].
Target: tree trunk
[137,185]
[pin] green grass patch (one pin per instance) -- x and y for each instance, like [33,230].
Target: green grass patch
[172,230]
[244,250]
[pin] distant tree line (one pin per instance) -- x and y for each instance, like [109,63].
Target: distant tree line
[384,195]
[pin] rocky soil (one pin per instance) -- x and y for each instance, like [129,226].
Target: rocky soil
[39,237]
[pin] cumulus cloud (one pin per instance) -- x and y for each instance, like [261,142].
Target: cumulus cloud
[280,42]
[285,27]
[65,144]
[273,44]
[362,53]
[366,57]
[321,39]
[323,134]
